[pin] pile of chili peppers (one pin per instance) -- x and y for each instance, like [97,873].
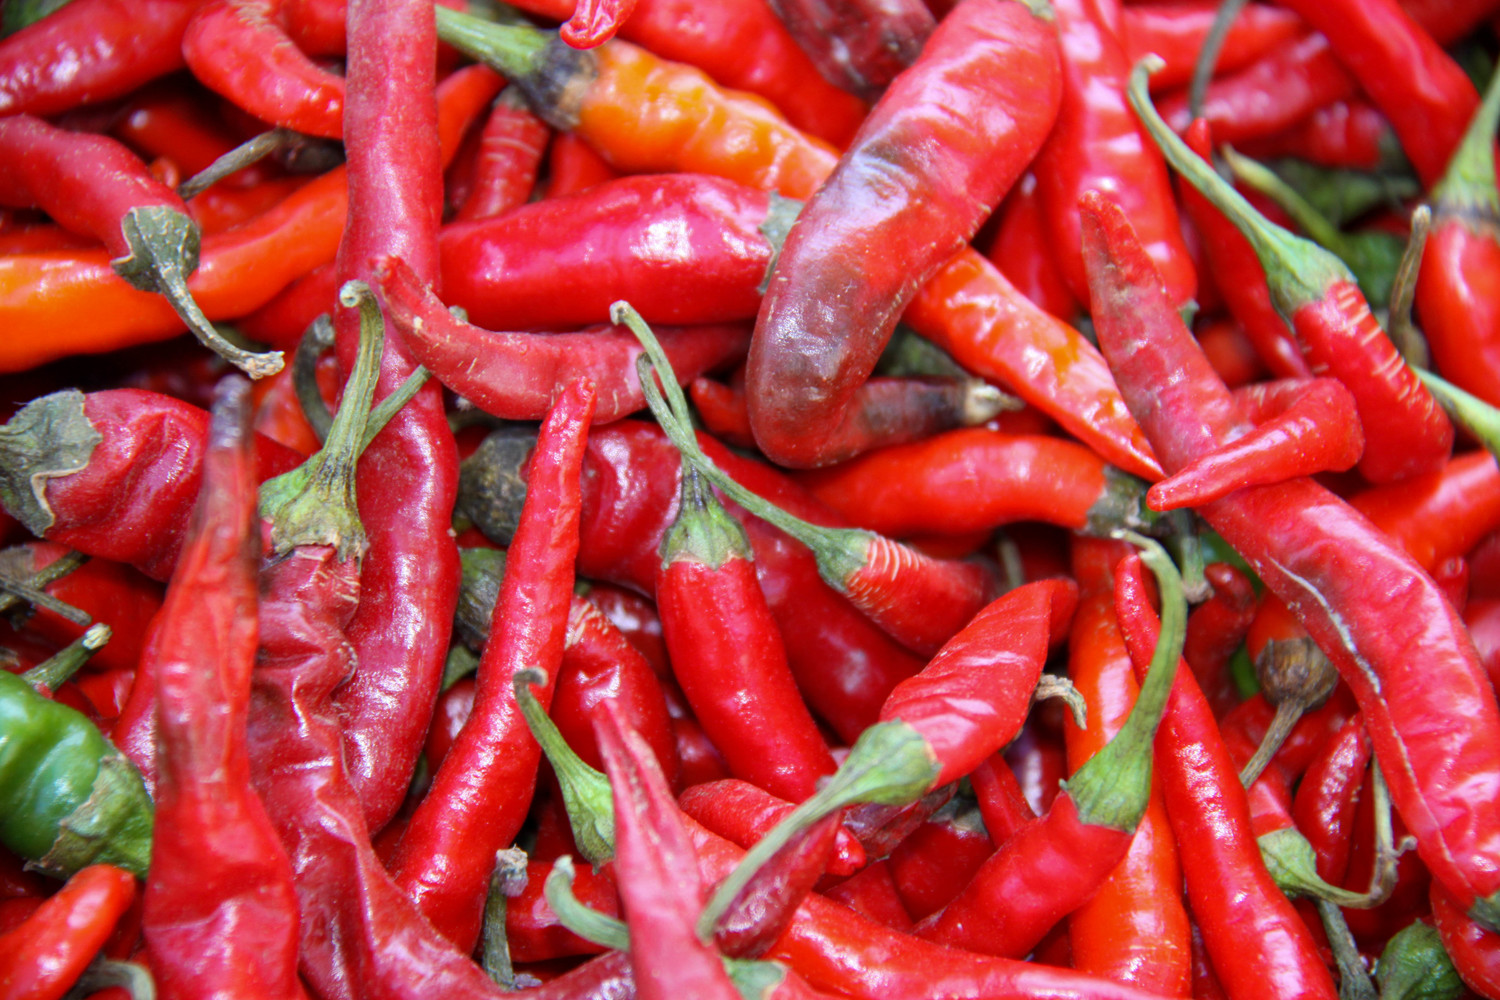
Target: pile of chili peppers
[760,498]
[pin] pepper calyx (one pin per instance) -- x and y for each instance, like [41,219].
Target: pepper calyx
[48,438]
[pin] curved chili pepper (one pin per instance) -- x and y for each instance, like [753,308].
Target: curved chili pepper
[866,240]
[744,46]
[44,956]
[409,581]
[562,261]
[90,50]
[1462,252]
[506,161]
[1419,87]
[1475,949]
[1098,143]
[1406,431]
[1176,31]
[479,796]
[934,728]
[516,376]
[727,654]
[859,45]
[220,907]
[1368,610]
[976,479]
[1021,252]
[1257,942]
[1441,515]
[94,184]
[236,48]
[920,601]
[1302,428]
[1134,929]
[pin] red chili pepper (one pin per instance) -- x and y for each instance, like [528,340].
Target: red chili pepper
[165,119]
[516,376]
[1348,133]
[727,654]
[864,242]
[741,812]
[933,864]
[741,45]
[114,473]
[595,22]
[1475,950]
[1324,804]
[1369,610]
[977,479]
[91,51]
[1001,800]
[93,184]
[1215,631]
[1441,515]
[872,893]
[238,49]
[860,45]
[544,265]
[1257,942]
[1462,252]
[1423,92]
[1098,143]
[1176,31]
[1303,427]
[534,932]
[220,908]
[479,797]
[43,957]
[573,165]
[1406,431]
[1134,929]
[1021,252]
[506,162]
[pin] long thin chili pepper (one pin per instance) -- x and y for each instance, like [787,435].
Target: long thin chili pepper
[90,50]
[1475,949]
[968,702]
[410,580]
[1324,804]
[1175,32]
[93,184]
[1054,864]
[44,956]
[1406,432]
[1134,929]
[1369,609]
[506,161]
[479,796]
[220,908]
[977,479]
[1021,251]
[1098,143]
[515,376]
[918,600]
[865,241]
[1463,250]
[727,654]
[238,49]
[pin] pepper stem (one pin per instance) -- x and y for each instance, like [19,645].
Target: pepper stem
[890,764]
[1112,787]
[317,338]
[589,924]
[840,551]
[1467,410]
[1294,675]
[1468,185]
[1298,271]
[1404,333]
[314,504]
[551,74]
[586,792]
[54,672]
[163,252]
[508,879]
[703,531]
[1354,980]
[18,560]
[1208,53]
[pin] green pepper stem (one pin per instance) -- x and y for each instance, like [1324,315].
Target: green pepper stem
[1208,53]
[315,340]
[840,551]
[314,504]
[1354,980]
[586,792]
[1467,410]
[250,151]
[163,252]
[703,531]
[1468,185]
[890,764]
[1298,271]
[1404,333]
[591,925]
[1112,787]
[55,671]
[508,879]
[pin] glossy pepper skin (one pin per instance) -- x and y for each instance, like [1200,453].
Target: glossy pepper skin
[1432,717]
[220,910]
[41,958]
[908,194]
